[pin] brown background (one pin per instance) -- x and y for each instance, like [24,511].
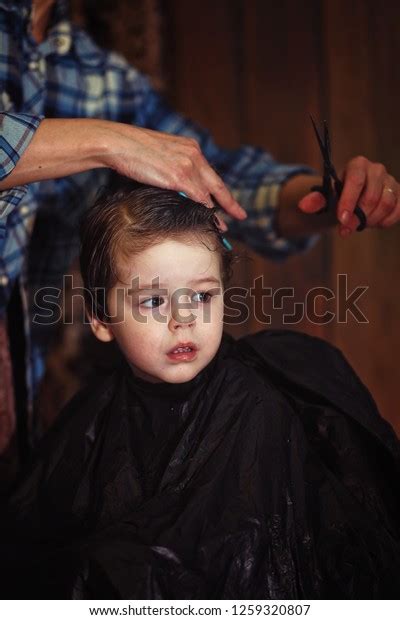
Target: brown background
[251,71]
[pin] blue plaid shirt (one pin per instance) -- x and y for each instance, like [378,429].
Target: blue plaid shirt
[68,76]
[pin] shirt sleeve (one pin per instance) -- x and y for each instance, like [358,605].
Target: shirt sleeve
[252,174]
[16,132]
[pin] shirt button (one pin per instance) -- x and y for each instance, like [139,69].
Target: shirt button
[3,280]
[24,210]
[38,65]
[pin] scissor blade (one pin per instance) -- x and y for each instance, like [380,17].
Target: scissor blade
[321,144]
[327,140]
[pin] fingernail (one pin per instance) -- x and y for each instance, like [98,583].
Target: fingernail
[221,224]
[344,217]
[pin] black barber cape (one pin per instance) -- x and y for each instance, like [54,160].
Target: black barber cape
[270,475]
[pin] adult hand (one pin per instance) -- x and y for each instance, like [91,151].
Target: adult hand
[368,185]
[169,161]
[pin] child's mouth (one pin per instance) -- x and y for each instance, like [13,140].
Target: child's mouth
[183,353]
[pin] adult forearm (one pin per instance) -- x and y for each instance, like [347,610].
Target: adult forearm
[291,221]
[60,147]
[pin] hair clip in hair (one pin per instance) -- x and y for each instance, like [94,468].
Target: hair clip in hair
[182,194]
[226,243]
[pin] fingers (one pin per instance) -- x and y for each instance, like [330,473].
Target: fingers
[378,198]
[386,206]
[223,196]
[312,202]
[221,224]
[202,183]
[394,217]
[354,181]
[369,197]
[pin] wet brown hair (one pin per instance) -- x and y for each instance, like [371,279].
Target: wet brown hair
[129,217]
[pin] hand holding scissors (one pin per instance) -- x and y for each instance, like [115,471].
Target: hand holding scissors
[365,195]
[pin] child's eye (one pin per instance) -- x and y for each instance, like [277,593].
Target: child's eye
[156,301]
[148,303]
[204,297]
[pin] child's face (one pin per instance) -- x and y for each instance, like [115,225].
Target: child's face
[149,323]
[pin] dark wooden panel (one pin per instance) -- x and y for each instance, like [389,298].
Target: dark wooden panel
[281,76]
[281,85]
[202,44]
[362,43]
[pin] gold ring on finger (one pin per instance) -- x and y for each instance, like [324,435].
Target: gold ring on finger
[389,189]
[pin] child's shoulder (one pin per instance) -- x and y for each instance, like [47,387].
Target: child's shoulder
[280,337]
[314,371]
[298,353]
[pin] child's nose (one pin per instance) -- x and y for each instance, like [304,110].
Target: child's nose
[182,317]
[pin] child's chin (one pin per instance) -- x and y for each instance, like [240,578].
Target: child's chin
[182,373]
[182,377]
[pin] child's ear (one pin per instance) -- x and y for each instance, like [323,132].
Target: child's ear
[101,330]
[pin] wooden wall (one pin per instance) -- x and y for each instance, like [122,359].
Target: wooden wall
[251,71]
